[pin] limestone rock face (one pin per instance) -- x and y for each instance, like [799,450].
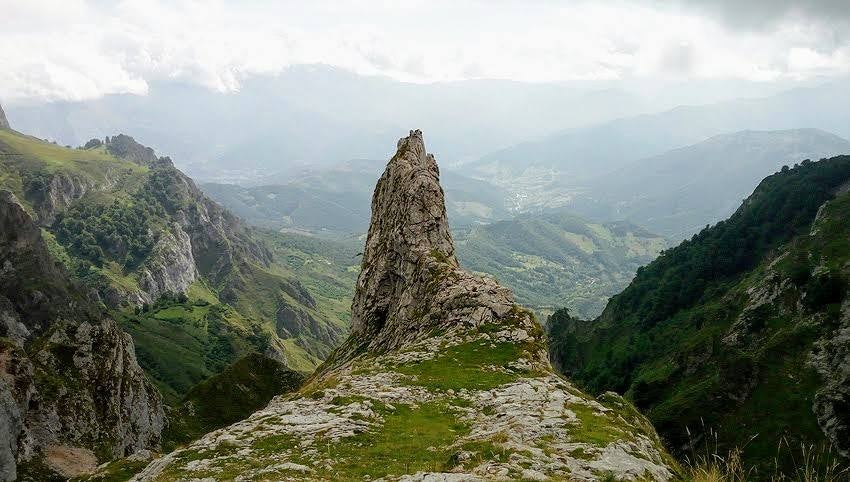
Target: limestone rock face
[56,194]
[408,237]
[71,391]
[442,378]
[171,266]
[125,147]
[4,123]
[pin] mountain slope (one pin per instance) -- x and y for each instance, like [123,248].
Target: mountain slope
[740,330]
[679,192]
[272,123]
[227,397]
[558,259]
[335,201]
[443,376]
[191,283]
[551,171]
[71,393]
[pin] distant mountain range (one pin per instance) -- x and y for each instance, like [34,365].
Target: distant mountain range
[548,256]
[334,202]
[677,193]
[673,193]
[318,115]
[576,155]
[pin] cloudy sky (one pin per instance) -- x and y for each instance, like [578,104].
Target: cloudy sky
[83,49]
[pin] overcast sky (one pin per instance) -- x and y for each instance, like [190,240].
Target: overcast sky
[82,49]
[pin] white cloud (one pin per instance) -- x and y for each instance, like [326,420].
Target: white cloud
[79,49]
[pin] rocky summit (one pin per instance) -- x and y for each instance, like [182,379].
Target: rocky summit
[443,377]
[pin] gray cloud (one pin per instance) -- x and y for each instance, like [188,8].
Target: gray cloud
[82,49]
[766,14]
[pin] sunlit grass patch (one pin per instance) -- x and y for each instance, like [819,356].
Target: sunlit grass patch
[475,365]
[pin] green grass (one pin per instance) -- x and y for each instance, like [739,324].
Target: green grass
[180,345]
[182,313]
[52,158]
[408,440]
[595,428]
[43,150]
[117,277]
[119,470]
[474,365]
[199,291]
[232,395]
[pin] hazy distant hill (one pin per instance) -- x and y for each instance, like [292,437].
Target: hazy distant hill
[559,259]
[679,192]
[551,169]
[336,201]
[319,114]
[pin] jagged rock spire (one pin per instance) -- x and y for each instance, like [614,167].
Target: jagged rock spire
[4,123]
[409,226]
[426,332]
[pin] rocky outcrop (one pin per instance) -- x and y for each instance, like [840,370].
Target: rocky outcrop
[443,377]
[125,147]
[93,144]
[170,267]
[51,195]
[831,358]
[408,241]
[4,123]
[71,391]
[219,240]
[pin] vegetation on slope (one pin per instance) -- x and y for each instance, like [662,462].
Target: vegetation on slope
[558,259]
[722,333]
[104,217]
[181,341]
[238,391]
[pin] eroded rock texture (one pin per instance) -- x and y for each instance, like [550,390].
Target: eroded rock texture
[4,123]
[71,392]
[443,377]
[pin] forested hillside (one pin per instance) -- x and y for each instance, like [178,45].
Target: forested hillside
[740,331]
[559,259]
[195,287]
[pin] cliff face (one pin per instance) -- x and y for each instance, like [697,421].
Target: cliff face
[4,123]
[442,378]
[71,392]
[136,230]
